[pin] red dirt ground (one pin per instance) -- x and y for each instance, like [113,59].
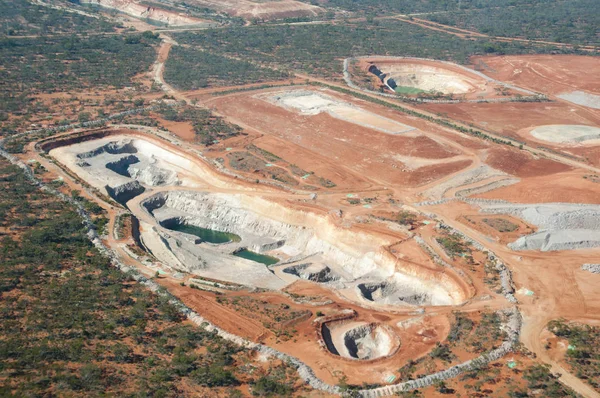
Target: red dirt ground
[522,164]
[509,118]
[183,130]
[350,147]
[265,10]
[551,74]
[568,187]
[515,119]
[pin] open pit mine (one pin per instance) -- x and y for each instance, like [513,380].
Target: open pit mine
[344,238]
[245,237]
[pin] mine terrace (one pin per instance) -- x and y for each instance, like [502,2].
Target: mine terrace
[406,222]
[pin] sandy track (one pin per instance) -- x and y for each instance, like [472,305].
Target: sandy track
[539,272]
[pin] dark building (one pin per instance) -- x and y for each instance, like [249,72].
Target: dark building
[374,70]
[392,84]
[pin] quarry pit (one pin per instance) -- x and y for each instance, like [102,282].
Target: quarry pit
[199,223]
[357,340]
[202,224]
[420,77]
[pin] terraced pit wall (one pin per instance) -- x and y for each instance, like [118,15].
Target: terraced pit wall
[512,327]
[530,97]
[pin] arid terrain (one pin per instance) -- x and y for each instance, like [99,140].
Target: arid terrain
[375,237]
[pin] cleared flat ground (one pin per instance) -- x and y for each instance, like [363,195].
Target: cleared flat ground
[516,120]
[349,144]
[552,74]
[567,133]
[266,10]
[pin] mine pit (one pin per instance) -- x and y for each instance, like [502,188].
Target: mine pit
[242,237]
[389,293]
[122,165]
[359,340]
[428,79]
[270,233]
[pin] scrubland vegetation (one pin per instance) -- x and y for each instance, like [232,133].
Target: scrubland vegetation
[191,69]
[583,354]
[73,325]
[47,65]
[319,49]
[561,21]
[21,17]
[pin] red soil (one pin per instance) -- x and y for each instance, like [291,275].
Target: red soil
[347,148]
[516,119]
[550,74]
[183,130]
[569,187]
[522,164]
[509,118]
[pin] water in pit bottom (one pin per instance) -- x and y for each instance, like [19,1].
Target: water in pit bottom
[207,235]
[259,258]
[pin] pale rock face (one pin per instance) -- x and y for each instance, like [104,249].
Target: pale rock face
[359,340]
[593,268]
[153,175]
[563,226]
[345,257]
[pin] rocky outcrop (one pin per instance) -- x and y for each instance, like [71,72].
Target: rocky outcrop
[563,226]
[125,192]
[390,293]
[112,148]
[152,175]
[593,268]
[121,166]
[313,272]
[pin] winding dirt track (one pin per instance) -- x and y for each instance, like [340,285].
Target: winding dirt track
[558,295]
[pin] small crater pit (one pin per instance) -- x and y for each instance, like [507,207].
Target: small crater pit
[359,340]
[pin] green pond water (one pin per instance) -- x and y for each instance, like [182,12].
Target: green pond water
[259,258]
[207,235]
[408,90]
